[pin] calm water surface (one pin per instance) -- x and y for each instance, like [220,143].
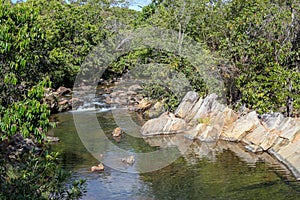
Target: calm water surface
[205,171]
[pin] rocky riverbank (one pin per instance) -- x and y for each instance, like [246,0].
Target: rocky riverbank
[61,100]
[207,120]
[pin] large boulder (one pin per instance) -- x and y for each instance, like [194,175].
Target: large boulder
[261,137]
[238,130]
[289,128]
[208,134]
[194,110]
[167,123]
[289,155]
[208,106]
[272,120]
[207,120]
[187,104]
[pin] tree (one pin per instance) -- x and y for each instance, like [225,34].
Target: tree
[260,45]
[257,40]
[20,38]
[29,173]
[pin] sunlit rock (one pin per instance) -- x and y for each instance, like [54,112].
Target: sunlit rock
[135,87]
[209,105]
[143,105]
[186,104]
[254,148]
[167,123]
[97,168]
[63,90]
[191,114]
[289,155]
[117,132]
[207,120]
[239,129]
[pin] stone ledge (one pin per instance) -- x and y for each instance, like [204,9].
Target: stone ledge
[207,120]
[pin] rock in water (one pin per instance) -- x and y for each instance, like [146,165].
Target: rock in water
[117,132]
[207,120]
[130,160]
[52,139]
[97,168]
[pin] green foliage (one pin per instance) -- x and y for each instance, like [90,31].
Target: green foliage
[260,44]
[71,30]
[205,120]
[258,41]
[24,57]
[19,34]
[164,76]
[35,176]
[28,117]
[255,45]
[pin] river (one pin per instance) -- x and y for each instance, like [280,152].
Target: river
[204,171]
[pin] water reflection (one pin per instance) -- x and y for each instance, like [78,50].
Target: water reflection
[220,170]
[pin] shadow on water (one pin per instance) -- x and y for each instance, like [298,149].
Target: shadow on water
[219,170]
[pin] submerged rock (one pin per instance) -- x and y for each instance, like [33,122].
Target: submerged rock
[129,161]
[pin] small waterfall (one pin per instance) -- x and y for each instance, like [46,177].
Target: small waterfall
[94,102]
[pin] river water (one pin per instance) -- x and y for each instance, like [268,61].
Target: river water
[220,170]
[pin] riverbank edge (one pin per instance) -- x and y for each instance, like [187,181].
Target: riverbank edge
[207,120]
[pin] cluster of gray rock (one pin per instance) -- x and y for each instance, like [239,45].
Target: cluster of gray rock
[129,95]
[124,95]
[207,120]
[61,100]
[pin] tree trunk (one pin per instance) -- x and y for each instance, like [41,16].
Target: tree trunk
[289,103]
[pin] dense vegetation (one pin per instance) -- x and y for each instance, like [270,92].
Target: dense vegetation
[42,43]
[254,45]
[258,41]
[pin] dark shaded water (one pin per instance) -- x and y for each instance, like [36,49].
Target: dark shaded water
[205,171]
